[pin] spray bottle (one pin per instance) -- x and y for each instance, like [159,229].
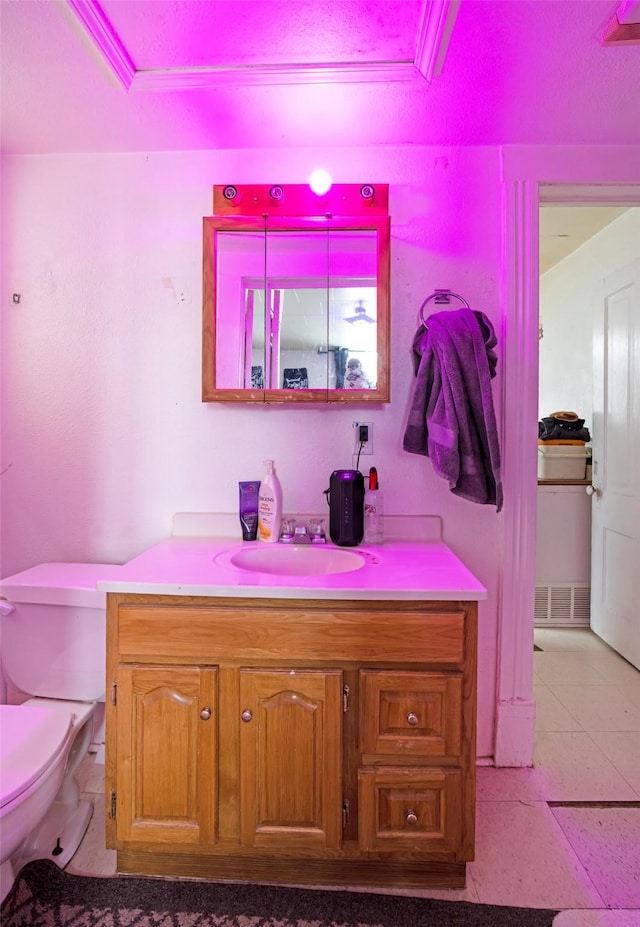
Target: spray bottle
[373,511]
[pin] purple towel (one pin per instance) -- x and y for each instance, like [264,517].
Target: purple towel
[452,419]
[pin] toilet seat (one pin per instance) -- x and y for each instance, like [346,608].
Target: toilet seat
[31,739]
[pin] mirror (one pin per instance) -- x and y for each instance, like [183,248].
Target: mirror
[296,306]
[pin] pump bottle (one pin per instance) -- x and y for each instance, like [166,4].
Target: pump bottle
[269,505]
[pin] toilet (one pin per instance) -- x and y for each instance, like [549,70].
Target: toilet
[52,652]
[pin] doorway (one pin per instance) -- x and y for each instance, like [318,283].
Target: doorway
[598,176]
[575,245]
[603,375]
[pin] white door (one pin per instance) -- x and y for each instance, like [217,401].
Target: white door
[615,564]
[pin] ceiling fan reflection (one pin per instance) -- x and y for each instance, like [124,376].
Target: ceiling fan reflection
[360,314]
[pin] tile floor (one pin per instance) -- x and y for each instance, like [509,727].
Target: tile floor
[562,834]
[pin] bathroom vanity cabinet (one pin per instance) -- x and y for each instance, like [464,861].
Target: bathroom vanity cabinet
[307,741]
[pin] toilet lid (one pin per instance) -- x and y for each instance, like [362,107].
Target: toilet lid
[30,740]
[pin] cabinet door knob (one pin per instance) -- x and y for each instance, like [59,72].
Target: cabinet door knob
[247,715]
[412,817]
[205,714]
[412,719]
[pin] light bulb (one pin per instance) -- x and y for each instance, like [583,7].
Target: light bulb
[320,181]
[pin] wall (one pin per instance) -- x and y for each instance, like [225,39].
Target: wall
[568,296]
[104,435]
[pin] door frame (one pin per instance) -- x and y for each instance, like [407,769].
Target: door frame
[602,175]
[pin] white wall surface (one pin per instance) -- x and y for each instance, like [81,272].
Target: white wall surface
[104,435]
[569,294]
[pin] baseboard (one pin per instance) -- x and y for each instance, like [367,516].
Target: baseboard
[515,731]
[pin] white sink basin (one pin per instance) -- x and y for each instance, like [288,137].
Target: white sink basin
[297,560]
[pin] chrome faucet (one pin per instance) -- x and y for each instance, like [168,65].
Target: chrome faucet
[287,530]
[291,533]
[316,531]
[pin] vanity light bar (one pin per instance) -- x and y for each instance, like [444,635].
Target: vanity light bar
[299,200]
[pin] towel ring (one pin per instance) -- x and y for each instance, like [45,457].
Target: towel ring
[441,298]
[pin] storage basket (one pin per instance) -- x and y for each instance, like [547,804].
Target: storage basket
[562,462]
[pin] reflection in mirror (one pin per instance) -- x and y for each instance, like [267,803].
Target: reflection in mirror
[239,315]
[314,321]
[304,320]
[254,327]
[296,305]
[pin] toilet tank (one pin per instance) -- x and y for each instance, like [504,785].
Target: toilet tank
[53,644]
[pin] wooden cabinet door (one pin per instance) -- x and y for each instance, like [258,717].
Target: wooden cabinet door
[166,728]
[291,759]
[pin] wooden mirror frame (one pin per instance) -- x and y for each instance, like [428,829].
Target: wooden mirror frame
[296,208]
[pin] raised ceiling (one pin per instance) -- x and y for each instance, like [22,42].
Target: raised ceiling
[199,44]
[152,75]
[564,229]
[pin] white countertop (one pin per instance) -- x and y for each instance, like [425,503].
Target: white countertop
[395,570]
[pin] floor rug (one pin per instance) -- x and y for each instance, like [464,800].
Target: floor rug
[45,896]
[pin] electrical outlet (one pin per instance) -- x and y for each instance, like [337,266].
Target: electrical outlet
[363,438]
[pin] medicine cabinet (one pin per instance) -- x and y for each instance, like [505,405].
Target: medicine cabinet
[296,295]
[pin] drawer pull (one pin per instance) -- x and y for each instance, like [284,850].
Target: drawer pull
[247,715]
[205,714]
[412,718]
[412,817]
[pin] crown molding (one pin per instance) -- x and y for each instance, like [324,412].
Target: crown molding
[256,75]
[623,27]
[104,37]
[436,24]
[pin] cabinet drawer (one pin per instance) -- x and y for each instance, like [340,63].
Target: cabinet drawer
[255,631]
[416,809]
[405,713]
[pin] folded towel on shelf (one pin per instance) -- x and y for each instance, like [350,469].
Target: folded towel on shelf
[452,418]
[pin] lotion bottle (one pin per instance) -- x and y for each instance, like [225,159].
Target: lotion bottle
[269,505]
